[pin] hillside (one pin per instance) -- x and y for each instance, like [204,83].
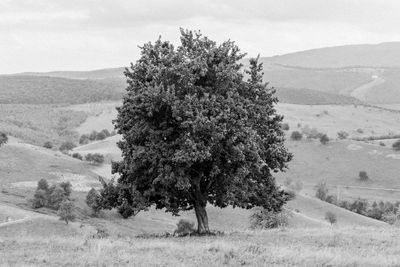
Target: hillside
[109,73]
[367,55]
[54,90]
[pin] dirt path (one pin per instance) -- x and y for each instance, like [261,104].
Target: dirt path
[361,91]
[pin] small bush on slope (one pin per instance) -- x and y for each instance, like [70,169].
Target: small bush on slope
[264,219]
[66,211]
[184,227]
[330,217]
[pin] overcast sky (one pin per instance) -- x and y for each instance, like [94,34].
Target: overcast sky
[44,35]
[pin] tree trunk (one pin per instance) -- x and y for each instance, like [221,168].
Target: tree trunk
[202,219]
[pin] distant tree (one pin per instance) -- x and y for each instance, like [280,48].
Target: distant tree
[359,130]
[330,217]
[93,201]
[106,132]
[66,146]
[396,145]
[101,136]
[3,138]
[363,176]
[93,135]
[324,139]
[43,185]
[67,187]
[56,196]
[77,156]
[343,135]
[322,191]
[94,158]
[382,144]
[359,206]
[331,199]
[48,145]
[66,211]
[296,136]
[196,132]
[285,126]
[39,199]
[84,139]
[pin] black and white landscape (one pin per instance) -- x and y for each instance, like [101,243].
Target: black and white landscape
[199,133]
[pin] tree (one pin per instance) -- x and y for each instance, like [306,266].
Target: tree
[322,191]
[93,201]
[296,136]
[363,176]
[39,199]
[324,139]
[396,145]
[3,139]
[43,185]
[101,136]
[342,135]
[330,217]
[84,139]
[48,145]
[95,158]
[197,131]
[55,196]
[66,146]
[67,187]
[66,211]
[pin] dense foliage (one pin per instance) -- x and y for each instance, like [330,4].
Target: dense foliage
[198,130]
[3,138]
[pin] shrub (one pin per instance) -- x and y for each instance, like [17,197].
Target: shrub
[3,138]
[48,145]
[39,199]
[95,158]
[264,219]
[296,136]
[43,185]
[322,191]
[126,210]
[342,135]
[77,156]
[359,130]
[396,145]
[363,176]
[331,199]
[84,139]
[66,146]
[330,217]
[184,227]
[93,135]
[67,187]
[101,136]
[56,196]
[113,132]
[106,132]
[66,211]
[285,126]
[93,201]
[382,144]
[324,139]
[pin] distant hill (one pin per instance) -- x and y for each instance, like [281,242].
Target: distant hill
[368,55]
[22,89]
[112,73]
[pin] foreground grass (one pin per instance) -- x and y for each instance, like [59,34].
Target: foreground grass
[299,247]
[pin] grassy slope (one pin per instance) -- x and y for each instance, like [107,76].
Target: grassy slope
[373,121]
[298,247]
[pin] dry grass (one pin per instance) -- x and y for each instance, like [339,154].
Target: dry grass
[296,247]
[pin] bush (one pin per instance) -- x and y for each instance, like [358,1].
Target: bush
[93,201]
[93,135]
[324,139]
[363,176]
[106,132]
[396,145]
[296,136]
[264,219]
[382,144]
[359,130]
[95,158]
[48,145]
[285,126]
[101,136]
[331,199]
[84,139]
[66,146]
[39,199]
[342,135]
[322,191]
[43,185]
[330,217]
[77,156]
[66,211]
[184,228]
[3,138]
[67,187]
[55,197]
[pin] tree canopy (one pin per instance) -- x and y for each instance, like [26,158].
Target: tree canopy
[197,128]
